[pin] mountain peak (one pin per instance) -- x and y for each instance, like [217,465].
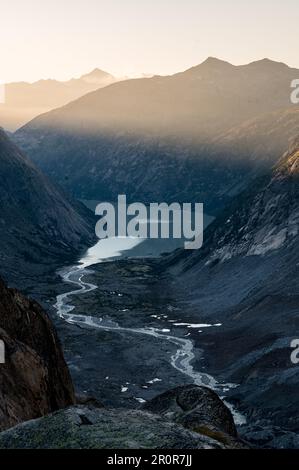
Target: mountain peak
[212,64]
[266,64]
[213,61]
[96,75]
[97,72]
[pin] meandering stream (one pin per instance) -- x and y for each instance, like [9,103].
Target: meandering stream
[181,360]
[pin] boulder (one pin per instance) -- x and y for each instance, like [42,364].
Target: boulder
[198,409]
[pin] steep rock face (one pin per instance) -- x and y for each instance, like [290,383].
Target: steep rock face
[88,427]
[246,279]
[38,223]
[268,220]
[264,218]
[34,380]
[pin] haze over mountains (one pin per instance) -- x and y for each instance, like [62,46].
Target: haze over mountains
[211,97]
[24,101]
[162,138]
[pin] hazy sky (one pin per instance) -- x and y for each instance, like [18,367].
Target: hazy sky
[65,38]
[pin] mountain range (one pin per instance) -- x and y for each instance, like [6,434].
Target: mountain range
[215,134]
[162,138]
[24,101]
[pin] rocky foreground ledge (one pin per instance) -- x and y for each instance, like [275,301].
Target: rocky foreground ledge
[188,417]
[38,408]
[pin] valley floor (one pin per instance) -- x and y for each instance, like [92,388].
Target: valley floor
[123,367]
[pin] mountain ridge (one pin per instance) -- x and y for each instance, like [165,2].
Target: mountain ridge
[180,128]
[25,100]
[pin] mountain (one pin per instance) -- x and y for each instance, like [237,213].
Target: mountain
[159,139]
[24,101]
[264,218]
[199,102]
[246,279]
[39,225]
[34,380]
[96,77]
[262,139]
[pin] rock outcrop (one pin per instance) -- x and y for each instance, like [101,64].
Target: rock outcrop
[198,409]
[89,427]
[34,380]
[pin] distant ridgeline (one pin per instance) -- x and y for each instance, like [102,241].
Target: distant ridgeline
[200,135]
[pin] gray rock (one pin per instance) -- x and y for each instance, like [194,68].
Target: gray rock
[271,437]
[198,409]
[187,417]
[82,427]
[34,380]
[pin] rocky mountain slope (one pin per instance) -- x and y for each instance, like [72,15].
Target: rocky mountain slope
[24,101]
[161,138]
[34,380]
[246,278]
[39,225]
[263,219]
[262,139]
